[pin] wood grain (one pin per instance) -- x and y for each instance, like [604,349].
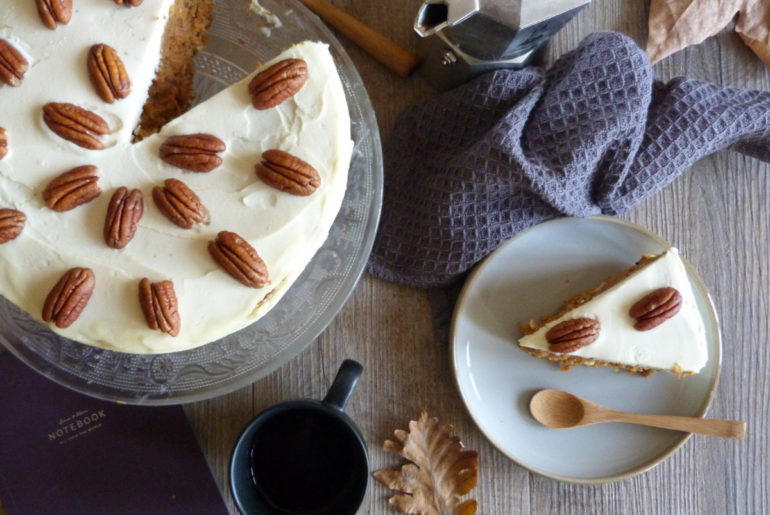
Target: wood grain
[400,60]
[717,214]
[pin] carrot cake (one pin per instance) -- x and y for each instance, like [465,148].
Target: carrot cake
[125,232]
[642,320]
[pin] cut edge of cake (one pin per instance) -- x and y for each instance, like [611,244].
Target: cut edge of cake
[171,93]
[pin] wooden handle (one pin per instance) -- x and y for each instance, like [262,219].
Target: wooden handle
[398,59]
[708,426]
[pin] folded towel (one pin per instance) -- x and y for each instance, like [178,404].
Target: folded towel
[468,169]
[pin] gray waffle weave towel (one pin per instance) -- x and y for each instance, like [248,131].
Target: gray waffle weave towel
[595,134]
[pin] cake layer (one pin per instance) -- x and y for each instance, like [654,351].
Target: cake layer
[678,344]
[286,230]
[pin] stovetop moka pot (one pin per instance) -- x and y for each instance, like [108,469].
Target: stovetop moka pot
[464,38]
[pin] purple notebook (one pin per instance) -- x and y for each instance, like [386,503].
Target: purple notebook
[66,453]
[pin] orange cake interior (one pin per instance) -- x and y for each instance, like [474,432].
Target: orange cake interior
[171,92]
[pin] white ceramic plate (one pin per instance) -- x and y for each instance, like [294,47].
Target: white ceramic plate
[529,276]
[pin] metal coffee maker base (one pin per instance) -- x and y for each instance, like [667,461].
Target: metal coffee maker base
[465,38]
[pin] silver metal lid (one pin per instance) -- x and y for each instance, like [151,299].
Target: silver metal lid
[494,29]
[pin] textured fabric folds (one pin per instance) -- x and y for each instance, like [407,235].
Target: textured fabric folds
[470,168]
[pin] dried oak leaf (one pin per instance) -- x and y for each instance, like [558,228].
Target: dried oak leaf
[441,472]
[676,24]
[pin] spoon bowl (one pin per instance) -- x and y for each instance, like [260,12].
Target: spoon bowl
[552,409]
[560,410]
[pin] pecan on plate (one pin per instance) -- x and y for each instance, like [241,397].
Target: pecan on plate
[655,308]
[572,334]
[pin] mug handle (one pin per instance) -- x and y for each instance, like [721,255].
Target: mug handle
[344,384]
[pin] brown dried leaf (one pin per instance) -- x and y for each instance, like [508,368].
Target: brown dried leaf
[676,24]
[441,470]
[753,26]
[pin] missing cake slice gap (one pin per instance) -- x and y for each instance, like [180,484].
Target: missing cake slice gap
[642,320]
[171,93]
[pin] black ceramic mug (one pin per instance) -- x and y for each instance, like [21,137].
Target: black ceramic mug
[303,457]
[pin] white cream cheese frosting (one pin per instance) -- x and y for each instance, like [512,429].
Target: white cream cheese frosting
[678,344]
[286,230]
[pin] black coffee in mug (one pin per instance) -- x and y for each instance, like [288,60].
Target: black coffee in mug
[303,457]
[306,461]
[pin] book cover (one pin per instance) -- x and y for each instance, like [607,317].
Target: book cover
[66,453]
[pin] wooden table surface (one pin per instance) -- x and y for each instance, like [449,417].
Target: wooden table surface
[717,214]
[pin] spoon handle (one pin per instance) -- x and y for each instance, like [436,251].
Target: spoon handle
[708,426]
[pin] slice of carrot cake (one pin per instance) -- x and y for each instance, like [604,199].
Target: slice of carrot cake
[642,320]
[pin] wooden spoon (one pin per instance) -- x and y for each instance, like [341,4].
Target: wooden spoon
[560,410]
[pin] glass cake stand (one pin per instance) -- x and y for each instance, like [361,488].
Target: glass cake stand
[239,38]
